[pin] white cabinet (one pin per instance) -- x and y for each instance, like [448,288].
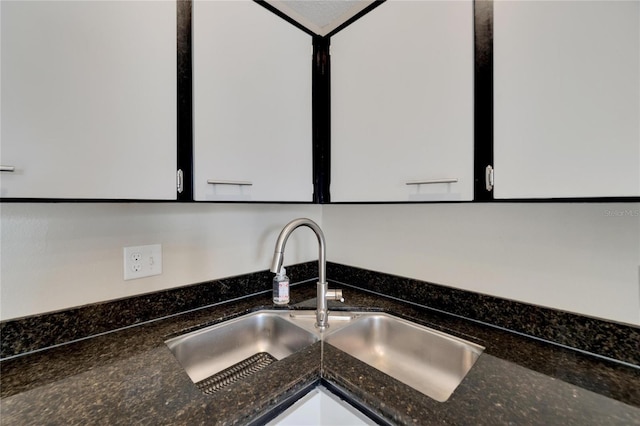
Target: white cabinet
[567,99]
[402,103]
[88,99]
[252,104]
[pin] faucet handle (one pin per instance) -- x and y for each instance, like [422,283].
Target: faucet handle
[335,294]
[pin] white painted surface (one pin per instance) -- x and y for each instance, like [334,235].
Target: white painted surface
[402,103]
[56,256]
[582,258]
[567,98]
[88,99]
[252,104]
[321,17]
[321,408]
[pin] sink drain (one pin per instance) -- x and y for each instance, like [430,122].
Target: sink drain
[236,372]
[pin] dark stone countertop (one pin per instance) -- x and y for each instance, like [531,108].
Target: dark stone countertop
[131,377]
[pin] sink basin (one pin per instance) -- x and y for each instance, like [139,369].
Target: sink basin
[429,361]
[224,353]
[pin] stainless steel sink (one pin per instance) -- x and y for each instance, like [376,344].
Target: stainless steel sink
[225,352]
[429,361]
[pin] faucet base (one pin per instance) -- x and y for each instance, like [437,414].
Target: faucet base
[322,312]
[322,327]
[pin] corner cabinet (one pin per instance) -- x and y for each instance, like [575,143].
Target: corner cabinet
[567,99]
[251,105]
[88,100]
[402,104]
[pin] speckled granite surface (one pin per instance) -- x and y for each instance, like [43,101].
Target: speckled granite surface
[609,339]
[131,377]
[494,392]
[613,340]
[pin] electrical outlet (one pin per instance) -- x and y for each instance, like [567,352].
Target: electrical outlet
[142,261]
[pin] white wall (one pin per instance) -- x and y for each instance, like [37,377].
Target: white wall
[583,258]
[56,256]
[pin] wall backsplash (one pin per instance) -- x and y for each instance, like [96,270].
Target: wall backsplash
[61,255]
[42,331]
[609,339]
[605,338]
[576,257]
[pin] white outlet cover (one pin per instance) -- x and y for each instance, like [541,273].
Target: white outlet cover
[142,261]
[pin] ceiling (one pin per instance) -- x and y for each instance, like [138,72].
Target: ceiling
[320,16]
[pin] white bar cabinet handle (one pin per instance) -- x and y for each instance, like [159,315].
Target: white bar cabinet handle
[7,169]
[432,181]
[229,182]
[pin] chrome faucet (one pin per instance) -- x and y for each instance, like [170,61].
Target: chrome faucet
[323,292]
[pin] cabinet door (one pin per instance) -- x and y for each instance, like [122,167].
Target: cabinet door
[88,99]
[402,104]
[252,104]
[567,99]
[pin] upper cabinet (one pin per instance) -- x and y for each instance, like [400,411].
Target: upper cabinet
[402,104]
[89,103]
[88,99]
[567,99]
[251,104]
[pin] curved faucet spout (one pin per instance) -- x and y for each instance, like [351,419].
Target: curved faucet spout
[278,255]
[323,292]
